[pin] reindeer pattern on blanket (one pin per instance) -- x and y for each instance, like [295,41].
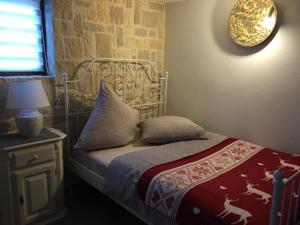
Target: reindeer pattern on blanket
[231,183]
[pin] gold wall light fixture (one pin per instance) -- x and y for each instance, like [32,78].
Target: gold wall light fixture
[251,22]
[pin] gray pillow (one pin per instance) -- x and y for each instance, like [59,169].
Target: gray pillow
[111,124]
[167,129]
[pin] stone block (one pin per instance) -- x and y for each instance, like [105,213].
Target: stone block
[144,54]
[59,46]
[152,33]
[63,9]
[156,6]
[122,53]
[65,66]
[119,2]
[111,29]
[103,10]
[93,27]
[129,23]
[153,56]
[89,41]
[82,3]
[161,25]
[78,25]
[116,14]
[149,19]
[92,14]
[104,45]
[156,44]
[133,53]
[81,11]
[65,27]
[160,61]
[133,42]
[129,3]
[137,12]
[142,32]
[120,37]
[73,47]
[146,43]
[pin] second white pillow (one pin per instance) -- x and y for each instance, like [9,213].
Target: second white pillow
[167,129]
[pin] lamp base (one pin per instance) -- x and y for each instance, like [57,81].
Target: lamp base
[29,122]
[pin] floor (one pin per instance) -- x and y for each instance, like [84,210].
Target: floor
[87,206]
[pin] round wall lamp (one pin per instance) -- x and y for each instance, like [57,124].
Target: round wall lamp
[251,22]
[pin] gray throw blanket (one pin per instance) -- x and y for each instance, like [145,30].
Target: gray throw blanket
[124,172]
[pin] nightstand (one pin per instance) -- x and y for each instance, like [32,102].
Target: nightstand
[31,178]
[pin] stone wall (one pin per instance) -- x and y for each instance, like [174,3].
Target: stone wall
[87,29]
[108,28]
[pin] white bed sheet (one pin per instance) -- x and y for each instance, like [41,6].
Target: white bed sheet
[98,160]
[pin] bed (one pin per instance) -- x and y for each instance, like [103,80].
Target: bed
[127,174]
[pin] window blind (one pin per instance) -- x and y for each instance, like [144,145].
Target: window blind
[21,36]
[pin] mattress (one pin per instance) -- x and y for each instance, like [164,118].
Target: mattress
[98,160]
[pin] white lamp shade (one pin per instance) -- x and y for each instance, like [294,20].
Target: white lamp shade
[26,95]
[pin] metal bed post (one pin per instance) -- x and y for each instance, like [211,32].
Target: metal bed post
[277,186]
[164,84]
[291,201]
[66,96]
[297,207]
[67,130]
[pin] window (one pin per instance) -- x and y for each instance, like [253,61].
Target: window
[22,44]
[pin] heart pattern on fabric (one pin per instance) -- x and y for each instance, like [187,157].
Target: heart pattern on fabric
[196,211]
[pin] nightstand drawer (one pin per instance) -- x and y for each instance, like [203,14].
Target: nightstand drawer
[33,156]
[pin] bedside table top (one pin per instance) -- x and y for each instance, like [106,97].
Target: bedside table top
[13,141]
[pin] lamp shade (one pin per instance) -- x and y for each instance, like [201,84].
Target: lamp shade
[26,95]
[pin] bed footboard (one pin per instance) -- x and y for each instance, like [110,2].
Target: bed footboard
[286,201]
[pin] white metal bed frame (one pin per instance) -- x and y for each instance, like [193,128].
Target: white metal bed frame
[140,86]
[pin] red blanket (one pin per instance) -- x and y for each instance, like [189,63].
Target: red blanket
[230,183]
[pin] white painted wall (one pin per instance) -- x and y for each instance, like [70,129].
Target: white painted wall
[253,94]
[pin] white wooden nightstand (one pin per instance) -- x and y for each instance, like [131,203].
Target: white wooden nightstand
[31,178]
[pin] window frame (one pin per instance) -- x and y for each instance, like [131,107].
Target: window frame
[43,72]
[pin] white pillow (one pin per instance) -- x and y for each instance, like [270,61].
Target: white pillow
[167,129]
[111,124]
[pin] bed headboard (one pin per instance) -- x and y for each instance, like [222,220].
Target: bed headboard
[135,81]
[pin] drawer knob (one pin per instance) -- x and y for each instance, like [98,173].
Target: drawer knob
[36,157]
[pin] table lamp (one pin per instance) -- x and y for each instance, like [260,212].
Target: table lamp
[28,96]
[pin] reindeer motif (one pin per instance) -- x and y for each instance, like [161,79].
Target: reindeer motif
[268,176]
[251,190]
[285,164]
[244,215]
